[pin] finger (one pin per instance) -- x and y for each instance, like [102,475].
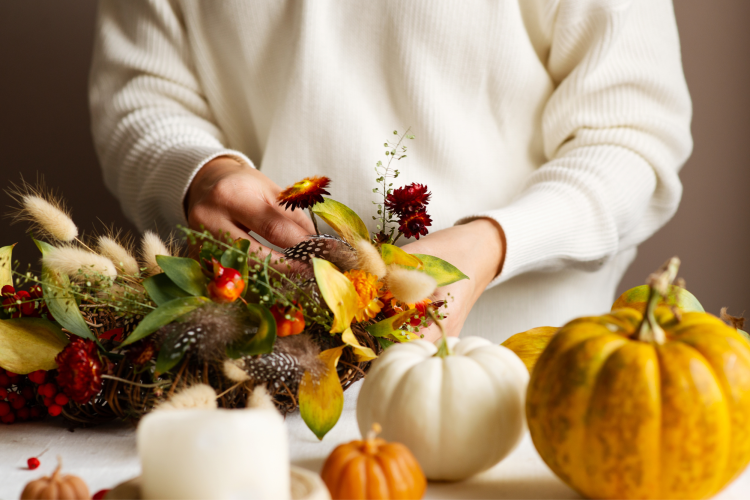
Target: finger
[270,224]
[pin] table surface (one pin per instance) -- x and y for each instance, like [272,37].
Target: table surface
[105,456]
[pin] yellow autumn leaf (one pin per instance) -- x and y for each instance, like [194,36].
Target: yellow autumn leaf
[321,400]
[338,292]
[342,219]
[6,267]
[363,353]
[30,344]
[394,255]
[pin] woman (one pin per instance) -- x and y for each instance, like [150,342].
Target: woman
[550,133]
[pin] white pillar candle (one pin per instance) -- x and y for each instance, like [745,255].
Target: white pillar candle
[218,454]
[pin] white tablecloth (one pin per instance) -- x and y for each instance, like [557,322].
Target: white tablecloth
[106,455]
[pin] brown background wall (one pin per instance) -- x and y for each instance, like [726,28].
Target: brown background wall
[45,48]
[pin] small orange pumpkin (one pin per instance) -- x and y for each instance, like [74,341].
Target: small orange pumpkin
[56,487]
[373,469]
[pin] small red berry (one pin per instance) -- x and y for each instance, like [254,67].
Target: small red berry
[8,291]
[61,399]
[15,379]
[33,463]
[99,495]
[49,401]
[227,284]
[18,402]
[4,408]
[35,412]
[48,390]
[9,418]
[23,413]
[27,392]
[3,393]
[38,377]
[36,292]
[54,410]
[10,373]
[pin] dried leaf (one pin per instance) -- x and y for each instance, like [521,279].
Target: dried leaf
[6,263]
[363,353]
[342,219]
[395,255]
[30,344]
[444,272]
[321,400]
[338,292]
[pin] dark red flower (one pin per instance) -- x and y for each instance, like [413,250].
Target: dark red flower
[305,193]
[408,199]
[414,224]
[79,370]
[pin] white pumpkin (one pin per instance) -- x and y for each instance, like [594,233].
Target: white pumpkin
[459,414]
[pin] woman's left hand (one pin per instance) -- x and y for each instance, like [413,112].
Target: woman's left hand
[476,248]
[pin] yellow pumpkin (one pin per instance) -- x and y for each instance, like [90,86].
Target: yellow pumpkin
[637,298]
[373,469]
[627,406]
[529,345]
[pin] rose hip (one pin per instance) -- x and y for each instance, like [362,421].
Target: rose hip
[33,463]
[61,399]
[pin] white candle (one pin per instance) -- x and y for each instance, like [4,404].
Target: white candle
[217,454]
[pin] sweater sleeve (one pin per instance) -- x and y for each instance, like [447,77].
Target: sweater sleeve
[616,130]
[153,128]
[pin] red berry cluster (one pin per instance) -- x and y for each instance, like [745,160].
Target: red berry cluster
[24,304]
[19,395]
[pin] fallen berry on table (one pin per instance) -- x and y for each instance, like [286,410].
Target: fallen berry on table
[54,410]
[99,495]
[33,463]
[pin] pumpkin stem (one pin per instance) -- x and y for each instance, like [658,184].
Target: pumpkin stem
[443,348]
[659,282]
[57,470]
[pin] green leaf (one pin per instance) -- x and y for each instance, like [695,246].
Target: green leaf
[444,272]
[30,344]
[321,401]
[237,259]
[384,343]
[60,299]
[394,255]
[161,289]
[342,219]
[389,327]
[6,266]
[262,341]
[164,315]
[186,273]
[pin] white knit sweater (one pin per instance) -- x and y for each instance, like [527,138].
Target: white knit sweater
[566,121]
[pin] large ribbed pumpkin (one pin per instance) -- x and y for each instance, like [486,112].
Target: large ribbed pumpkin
[620,406]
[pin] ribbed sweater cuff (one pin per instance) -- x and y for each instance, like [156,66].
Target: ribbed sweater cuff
[544,230]
[177,172]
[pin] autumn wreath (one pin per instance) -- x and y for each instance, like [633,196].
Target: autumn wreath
[104,333]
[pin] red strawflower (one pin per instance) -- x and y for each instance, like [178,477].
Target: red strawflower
[415,224]
[408,199]
[305,193]
[79,370]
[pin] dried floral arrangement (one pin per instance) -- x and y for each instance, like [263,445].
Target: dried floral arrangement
[104,332]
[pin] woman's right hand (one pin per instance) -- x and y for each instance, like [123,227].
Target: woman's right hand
[227,196]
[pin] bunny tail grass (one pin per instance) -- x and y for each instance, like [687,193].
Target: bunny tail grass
[110,248]
[78,263]
[409,286]
[151,246]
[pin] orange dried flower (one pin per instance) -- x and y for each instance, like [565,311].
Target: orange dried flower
[305,193]
[368,290]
